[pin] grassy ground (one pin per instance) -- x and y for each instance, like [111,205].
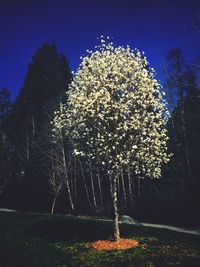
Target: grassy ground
[28,240]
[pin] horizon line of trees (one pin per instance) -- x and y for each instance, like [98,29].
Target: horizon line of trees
[37,173]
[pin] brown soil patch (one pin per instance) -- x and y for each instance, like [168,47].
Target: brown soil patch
[111,245]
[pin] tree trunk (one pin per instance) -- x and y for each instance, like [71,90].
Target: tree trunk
[123,188]
[75,181]
[185,139]
[139,187]
[115,206]
[33,129]
[53,205]
[100,190]
[130,188]
[27,146]
[66,173]
[85,184]
[92,185]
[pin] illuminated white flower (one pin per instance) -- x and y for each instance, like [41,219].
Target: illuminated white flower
[116,112]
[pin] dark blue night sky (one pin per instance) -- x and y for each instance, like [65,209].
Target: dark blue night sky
[152,26]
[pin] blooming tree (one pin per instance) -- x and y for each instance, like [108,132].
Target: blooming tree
[116,113]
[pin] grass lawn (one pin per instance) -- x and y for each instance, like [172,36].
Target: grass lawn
[42,240]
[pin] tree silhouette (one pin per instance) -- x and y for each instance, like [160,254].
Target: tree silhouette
[46,81]
[5,147]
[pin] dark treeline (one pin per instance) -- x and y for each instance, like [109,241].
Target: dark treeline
[38,171]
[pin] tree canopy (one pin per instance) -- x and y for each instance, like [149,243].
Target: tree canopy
[116,115]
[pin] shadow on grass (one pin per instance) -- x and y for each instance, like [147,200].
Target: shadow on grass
[37,240]
[58,230]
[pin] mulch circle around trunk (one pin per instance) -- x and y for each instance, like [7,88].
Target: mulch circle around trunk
[112,245]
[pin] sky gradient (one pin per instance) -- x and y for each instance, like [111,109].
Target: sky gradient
[150,25]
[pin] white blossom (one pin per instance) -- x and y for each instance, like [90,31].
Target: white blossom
[116,112]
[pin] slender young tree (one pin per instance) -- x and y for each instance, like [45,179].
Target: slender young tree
[116,114]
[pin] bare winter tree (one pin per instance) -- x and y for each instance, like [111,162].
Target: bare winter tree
[5,159]
[55,156]
[59,171]
[176,84]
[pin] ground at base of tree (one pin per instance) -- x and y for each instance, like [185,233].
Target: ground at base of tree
[41,240]
[113,245]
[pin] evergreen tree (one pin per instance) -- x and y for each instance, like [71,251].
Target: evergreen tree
[5,105]
[5,147]
[46,81]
